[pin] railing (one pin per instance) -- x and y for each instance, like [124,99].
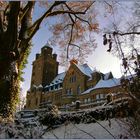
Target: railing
[44,104]
[68,96]
[95,102]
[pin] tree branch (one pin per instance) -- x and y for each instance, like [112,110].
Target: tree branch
[48,13]
[78,16]
[129,33]
[37,23]
[12,29]
[122,34]
[26,20]
[70,40]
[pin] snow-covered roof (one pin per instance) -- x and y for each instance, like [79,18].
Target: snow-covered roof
[40,86]
[34,86]
[104,84]
[48,44]
[58,79]
[29,90]
[85,69]
[106,75]
[107,83]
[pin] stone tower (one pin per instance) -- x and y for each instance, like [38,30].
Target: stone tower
[45,67]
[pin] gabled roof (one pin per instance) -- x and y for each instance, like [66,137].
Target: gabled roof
[58,79]
[106,75]
[107,83]
[85,69]
[49,44]
[104,84]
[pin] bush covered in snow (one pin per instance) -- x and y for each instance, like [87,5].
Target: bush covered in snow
[91,116]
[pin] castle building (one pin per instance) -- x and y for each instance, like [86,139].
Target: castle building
[78,84]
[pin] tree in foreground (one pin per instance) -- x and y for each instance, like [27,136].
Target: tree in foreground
[123,41]
[17,29]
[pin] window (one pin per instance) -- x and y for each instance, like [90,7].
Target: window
[85,101]
[73,79]
[89,100]
[47,89]
[51,87]
[102,96]
[56,86]
[60,84]
[69,91]
[98,96]
[78,89]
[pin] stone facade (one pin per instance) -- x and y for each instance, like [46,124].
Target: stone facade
[78,83]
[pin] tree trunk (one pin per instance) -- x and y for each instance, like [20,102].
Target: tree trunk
[9,88]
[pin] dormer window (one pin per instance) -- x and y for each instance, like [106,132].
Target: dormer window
[56,86]
[51,87]
[47,89]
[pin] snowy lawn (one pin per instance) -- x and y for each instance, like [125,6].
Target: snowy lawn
[115,128]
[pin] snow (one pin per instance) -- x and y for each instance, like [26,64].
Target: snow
[48,44]
[85,69]
[40,86]
[66,126]
[34,86]
[106,76]
[89,131]
[58,79]
[107,83]
[104,84]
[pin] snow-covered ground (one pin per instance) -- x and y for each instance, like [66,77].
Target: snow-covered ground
[107,129]
[115,128]
[102,122]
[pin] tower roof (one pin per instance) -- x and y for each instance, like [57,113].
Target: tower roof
[48,44]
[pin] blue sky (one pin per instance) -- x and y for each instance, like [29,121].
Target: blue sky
[100,59]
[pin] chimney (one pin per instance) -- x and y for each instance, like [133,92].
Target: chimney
[73,61]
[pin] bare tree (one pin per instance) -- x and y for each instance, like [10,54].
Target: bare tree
[124,40]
